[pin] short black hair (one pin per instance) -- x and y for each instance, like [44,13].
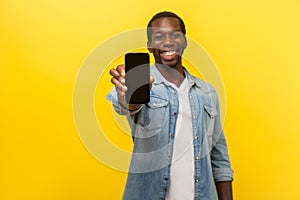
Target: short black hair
[162,15]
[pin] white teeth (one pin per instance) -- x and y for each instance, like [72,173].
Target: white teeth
[170,53]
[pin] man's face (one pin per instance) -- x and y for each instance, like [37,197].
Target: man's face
[167,42]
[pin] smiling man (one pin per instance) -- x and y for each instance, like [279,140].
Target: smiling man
[180,151]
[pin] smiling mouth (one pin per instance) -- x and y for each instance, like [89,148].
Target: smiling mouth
[168,55]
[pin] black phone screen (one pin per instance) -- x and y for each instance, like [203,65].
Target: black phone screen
[137,78]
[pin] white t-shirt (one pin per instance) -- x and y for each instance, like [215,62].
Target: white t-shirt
[181,185]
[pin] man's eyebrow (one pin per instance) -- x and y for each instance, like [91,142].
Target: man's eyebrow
[161,32]
[157,32]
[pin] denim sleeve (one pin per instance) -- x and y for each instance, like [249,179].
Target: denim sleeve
[219,154]
[113,98]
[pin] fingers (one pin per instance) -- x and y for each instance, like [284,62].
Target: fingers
[151,81]
[114,73]
[121,89]
[121,70]
[118,79]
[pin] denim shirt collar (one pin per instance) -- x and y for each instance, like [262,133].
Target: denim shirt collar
[159,79]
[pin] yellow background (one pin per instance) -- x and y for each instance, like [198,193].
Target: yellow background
[255,45]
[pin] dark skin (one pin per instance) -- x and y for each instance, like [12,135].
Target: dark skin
[167,44]
[224,189]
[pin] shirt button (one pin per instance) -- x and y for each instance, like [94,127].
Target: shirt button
[197,180]
[190,96]
[175,113]
[197,157]
[195,137]
[194,116]
[172,135]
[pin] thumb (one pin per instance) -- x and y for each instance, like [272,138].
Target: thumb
[151,81]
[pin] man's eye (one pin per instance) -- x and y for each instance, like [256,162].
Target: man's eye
[158,37]
[175,35]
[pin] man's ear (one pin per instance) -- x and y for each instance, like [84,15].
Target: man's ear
[185,42]
[150,49]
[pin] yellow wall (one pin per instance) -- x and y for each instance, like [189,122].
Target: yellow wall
[255,45]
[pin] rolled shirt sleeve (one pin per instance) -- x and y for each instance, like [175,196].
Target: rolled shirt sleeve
[119,108]
[220,161]
[221,167]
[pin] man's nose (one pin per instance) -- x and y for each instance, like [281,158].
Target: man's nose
[168,41]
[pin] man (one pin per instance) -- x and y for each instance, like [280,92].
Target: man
[180,150]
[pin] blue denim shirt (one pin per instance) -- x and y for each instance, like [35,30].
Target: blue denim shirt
[153,131]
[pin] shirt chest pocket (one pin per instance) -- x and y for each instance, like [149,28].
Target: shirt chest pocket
[210,113]
[152,118]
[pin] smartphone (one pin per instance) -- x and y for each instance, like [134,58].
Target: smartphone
[137,78]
